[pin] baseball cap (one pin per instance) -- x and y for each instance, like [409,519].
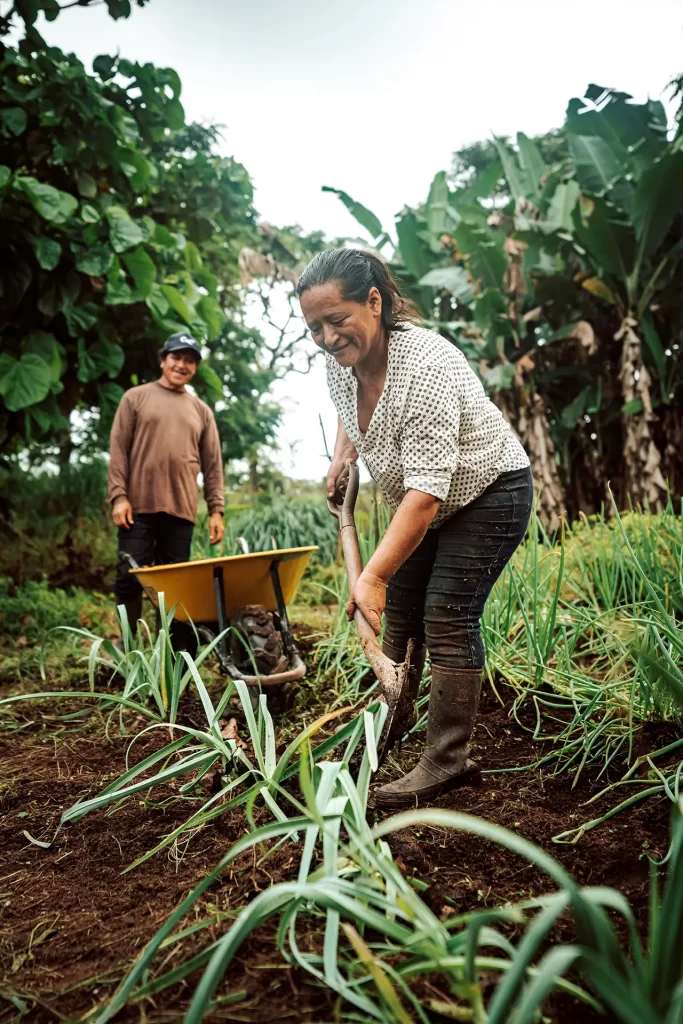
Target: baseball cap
[179,341]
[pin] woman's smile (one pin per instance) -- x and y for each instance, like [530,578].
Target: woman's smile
[335,350]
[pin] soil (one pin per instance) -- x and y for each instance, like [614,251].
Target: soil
[72,922]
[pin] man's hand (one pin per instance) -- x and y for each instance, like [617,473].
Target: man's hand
[370,596]
[216,528]
[122,513]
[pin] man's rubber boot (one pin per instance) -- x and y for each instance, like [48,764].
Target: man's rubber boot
[453,704]
[134,612]
[406,715]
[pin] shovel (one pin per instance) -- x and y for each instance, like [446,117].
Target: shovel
[392,678]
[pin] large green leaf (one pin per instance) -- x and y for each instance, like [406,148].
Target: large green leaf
[44,345]
[658,198]
[500,377]
[95,261]
[609,242]
[453,279]
[47,416]
[212,315]
[103,357]
[483,255]
[142,269]
[212,381]
[25,381]
[563,203]
[87,186]
[572,413]
[124,233]
[177,302]
[439,220]
[517,178]
[110,396]
[366,218]
[414,251]
[655,347]
[482,186]
[137,169]
[89,214]
[47,252]
[5,175]
[52,204]
[597,168]
[532,162]
[12,120]
[635,133]
[79,318]
[158,304]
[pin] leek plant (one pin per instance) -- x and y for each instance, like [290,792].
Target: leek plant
[379,936]
[151,675]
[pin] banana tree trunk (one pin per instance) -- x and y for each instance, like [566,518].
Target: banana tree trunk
[529,419]
[642,459]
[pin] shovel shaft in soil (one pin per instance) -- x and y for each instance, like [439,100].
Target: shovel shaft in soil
[391,677]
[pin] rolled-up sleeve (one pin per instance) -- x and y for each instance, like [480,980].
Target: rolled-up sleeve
[429,434]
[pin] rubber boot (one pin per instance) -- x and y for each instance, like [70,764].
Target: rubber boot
[406,715]
[134,612]
[453,704]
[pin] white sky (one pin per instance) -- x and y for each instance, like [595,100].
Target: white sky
[373,97]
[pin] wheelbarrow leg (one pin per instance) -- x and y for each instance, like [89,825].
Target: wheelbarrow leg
[285,629]
[221,618]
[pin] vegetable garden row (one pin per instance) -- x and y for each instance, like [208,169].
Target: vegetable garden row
[584,648]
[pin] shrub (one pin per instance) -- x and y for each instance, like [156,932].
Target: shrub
[32,609]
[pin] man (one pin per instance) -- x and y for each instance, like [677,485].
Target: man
[161,438]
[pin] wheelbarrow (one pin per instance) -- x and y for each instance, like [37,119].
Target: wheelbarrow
[392,678]
[212,592]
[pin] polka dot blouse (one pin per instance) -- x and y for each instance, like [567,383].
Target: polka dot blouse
[433,429]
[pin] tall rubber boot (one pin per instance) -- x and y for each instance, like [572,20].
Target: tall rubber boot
[406,715]
[453,704]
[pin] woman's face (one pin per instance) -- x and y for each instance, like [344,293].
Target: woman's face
[348,330]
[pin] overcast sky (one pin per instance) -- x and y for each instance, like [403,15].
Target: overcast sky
[373,97]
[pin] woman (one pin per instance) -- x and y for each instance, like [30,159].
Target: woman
[453,471]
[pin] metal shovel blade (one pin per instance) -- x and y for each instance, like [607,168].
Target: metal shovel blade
[392,678]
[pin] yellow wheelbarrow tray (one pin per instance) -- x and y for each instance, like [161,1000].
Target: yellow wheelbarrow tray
[209,590]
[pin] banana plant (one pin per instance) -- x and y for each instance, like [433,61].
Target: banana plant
[562,283]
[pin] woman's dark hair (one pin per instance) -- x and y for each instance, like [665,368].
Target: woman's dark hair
[357,271]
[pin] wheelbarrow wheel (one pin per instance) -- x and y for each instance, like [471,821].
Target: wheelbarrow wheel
[257,635]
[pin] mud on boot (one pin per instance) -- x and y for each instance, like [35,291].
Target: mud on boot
[444,765]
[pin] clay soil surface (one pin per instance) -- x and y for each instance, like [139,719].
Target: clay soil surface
[72,922]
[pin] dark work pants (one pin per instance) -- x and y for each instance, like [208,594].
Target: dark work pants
[155,538]
[439,593]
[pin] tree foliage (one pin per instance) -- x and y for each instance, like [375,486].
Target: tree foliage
[120,224]
[556,266]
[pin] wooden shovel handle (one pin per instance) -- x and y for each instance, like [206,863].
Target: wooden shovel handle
[383,667]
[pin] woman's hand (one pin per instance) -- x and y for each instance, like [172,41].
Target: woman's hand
[344,453]
[337,467]
[370,596]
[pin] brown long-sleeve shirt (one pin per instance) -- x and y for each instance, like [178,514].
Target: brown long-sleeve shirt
[160,440]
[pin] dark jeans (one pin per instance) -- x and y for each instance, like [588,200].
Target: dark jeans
[439,593]
[155,538]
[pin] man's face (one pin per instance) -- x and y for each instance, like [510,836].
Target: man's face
[178,368]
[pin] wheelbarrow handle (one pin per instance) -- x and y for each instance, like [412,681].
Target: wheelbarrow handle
[382,666]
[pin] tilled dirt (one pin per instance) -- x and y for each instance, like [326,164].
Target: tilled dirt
[72,922]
